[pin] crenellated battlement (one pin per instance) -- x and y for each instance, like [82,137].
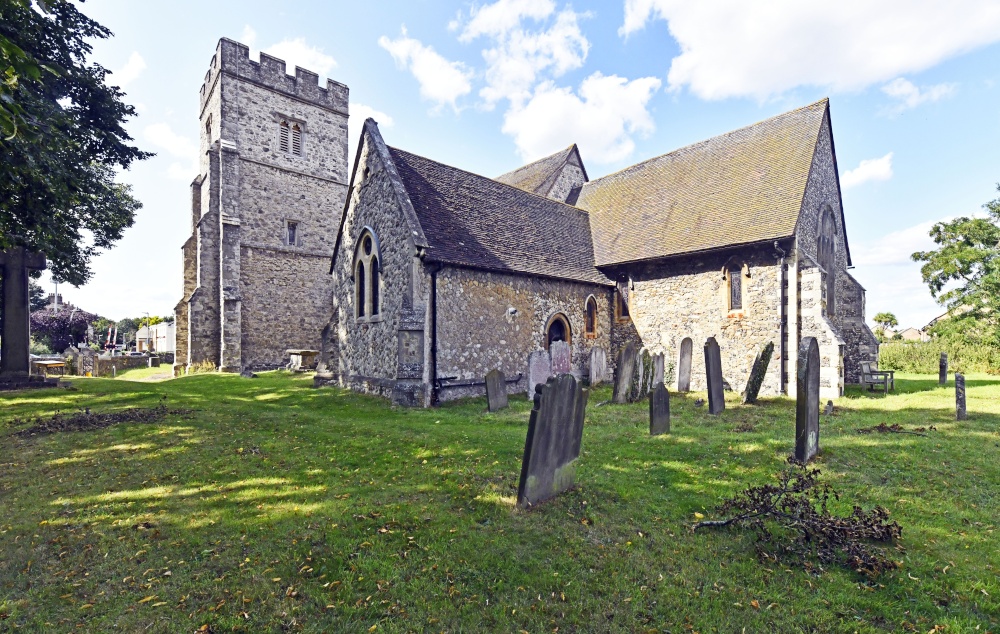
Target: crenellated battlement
[233,59]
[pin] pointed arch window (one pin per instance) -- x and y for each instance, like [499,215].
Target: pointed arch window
[590,319]
[283,134]
[367,276]
[826,255]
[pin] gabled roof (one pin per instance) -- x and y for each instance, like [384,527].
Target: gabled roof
[743,187]
[474,221]
[539,177]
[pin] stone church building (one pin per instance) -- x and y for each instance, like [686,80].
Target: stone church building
[416,278]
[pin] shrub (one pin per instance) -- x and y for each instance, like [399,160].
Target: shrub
[923,357]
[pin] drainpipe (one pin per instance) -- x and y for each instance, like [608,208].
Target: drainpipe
[434,270]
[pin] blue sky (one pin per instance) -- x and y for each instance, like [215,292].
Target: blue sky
[487,86]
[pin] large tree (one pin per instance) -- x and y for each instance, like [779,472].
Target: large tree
[963,273]
[64,138]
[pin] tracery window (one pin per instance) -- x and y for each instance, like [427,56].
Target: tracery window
[367,276]
[826,255]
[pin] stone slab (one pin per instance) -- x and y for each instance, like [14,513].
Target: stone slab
[684,366]
[15,263]
[552,446]
[713,376]
[624,370]
[598,366]
[807,401]
[561,355]
[943,369]
[758,372]
[642,377]
[539,369]
[659,360]
[659,410]
[496,390]
[960,412]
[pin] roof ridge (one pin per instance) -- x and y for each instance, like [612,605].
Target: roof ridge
[565,152]
[824,100]
[494,181]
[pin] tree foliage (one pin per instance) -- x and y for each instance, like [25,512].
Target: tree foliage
[64,139]
[884,321]
[61,329]
[963,273]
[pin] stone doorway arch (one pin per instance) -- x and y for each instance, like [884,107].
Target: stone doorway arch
[558,330]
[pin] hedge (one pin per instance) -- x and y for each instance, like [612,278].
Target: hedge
[923,357]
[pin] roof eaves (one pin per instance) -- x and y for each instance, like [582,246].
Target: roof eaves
[697,252]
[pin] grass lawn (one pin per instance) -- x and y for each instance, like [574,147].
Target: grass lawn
[271,506]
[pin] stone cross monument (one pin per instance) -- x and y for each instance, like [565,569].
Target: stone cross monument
[16,263]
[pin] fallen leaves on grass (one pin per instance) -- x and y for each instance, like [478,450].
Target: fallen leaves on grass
[84,420]
[895,428]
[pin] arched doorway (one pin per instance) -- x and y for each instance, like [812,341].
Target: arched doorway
[557,330]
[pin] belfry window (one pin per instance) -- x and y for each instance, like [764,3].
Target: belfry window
[367,276]
[283,134]
[290,137]
[590,319]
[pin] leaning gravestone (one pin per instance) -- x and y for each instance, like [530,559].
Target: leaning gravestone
[642,377]
[659,410]
[598,366]
[555,430]
[807,401]
[496,390]
[713,375]
[960,413]
[684,366]
[623,373]
[943,369]
[15,263]
[658,360]
[561,355]
[758,373]
[539,369]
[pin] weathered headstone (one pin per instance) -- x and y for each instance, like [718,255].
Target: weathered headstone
[14,340]
[562,356]
[943,369]
[758,373]
[539,369]
[552,446]
[713,376]
[828,410]
[658,362]
[496,390]
[960,413]
[623,373]
[598,366]
[684,366]
[642,377]
[659,410]
[807,401]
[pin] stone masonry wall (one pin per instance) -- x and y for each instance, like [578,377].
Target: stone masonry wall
[488,320]
[569,177]
[813,322]
[689,298]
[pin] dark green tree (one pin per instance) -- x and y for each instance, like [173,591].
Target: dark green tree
[64,139]
[37,299]
[963,273]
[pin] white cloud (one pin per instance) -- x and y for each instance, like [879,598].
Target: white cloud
[879,169]
[441,81]
[908,95]
[360,112]
[895,248]
[500,17]
[734,48]
[294,52]
[163,137]
[130,71]
[602,119]
[520,56]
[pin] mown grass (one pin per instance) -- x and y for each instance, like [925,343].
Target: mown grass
[271,506]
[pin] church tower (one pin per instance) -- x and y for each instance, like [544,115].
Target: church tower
[264,213]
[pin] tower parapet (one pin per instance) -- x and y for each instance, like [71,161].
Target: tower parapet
[233,58]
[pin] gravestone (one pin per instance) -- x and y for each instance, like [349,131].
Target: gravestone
[807,401]
[496,390]
[828,410]
[642,377]
[943,369]
[758,372]
[658,362]
[684,366]
[539,369]
[659,410]
[552,446]
[561,355]
[713,376]
[623,373]
[598,366]
[14,340]
[960,413]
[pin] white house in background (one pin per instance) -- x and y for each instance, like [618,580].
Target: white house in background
[913,334]
[156,338]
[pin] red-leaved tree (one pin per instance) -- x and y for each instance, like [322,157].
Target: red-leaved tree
[59,330]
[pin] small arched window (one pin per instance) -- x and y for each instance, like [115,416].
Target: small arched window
[367,276]
[734,283]
[621,303]
[590,320]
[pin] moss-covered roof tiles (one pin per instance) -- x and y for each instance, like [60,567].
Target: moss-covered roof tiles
[741,187]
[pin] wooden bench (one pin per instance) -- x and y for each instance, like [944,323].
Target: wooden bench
[871,378]
[48,367]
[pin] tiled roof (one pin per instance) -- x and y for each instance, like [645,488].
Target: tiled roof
[471,220]
[741,187]
[541,175]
